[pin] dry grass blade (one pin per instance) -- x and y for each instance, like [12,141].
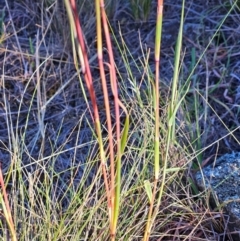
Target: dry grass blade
[6,208]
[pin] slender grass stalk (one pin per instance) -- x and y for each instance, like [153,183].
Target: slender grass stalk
[115,182]
[174,105]
[121,142]
[157,119]
[74,38]
[113,80]
[88,78]
[112,186]
[106,102]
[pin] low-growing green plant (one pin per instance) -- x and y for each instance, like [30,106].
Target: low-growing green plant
[141,9]
[2,31]
[194,108]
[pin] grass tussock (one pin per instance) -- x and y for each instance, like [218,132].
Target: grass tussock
[53,186]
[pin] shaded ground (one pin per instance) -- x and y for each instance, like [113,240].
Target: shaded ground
[47,123]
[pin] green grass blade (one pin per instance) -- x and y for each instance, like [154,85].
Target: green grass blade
[174,97]
[148,190]
[125,134]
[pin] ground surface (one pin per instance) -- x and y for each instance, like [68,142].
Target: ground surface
[49,122]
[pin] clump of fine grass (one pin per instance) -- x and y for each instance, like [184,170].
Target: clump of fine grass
[54,183]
